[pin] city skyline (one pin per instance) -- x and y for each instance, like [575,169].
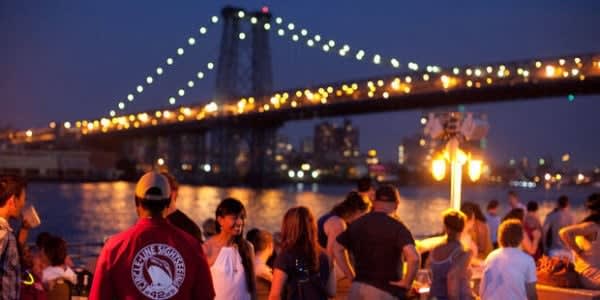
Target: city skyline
[73,60]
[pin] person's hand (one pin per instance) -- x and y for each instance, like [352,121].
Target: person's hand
[25,224]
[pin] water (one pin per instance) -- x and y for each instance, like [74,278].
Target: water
[90,212]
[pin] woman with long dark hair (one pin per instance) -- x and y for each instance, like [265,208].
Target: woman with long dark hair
[476,233]
[302,269]
[229,255]
[330,225]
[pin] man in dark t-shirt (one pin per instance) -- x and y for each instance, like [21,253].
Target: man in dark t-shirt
[378,241]
[177,217]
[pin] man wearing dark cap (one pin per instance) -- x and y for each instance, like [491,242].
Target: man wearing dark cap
[153,259]
[378,241]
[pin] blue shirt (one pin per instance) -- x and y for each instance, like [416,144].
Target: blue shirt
[493,222]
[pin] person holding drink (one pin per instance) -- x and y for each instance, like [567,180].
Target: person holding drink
[12,200]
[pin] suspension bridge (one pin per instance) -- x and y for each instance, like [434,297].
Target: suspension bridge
[238,126]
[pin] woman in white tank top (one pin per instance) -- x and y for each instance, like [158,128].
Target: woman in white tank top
[229,255]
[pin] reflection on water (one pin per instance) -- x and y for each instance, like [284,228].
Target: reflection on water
[90,212]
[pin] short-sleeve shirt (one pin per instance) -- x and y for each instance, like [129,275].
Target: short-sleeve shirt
[152,260]
[376,241]
[301,283]
[505,274]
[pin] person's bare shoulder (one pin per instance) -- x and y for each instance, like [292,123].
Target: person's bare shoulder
[208,246]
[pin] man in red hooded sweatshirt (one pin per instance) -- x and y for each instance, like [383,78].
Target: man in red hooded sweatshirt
[153,259]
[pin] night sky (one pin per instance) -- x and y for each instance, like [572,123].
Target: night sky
[69,60]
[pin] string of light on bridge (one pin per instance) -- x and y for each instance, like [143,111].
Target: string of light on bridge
[161,69]
[301,35]
[476,77]
[200,75]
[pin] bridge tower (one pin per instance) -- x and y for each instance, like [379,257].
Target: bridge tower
[243,69]
[244,66]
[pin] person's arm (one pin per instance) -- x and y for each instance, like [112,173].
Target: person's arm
[546,227]
[537,236]
[531,292]
[331,281]
[413,261]
[279,279]
[530,279]
[457,274]
[568,234]
[526,244]
[485,241]
[333,227]
[253,271]
[343,260]
[22,235]
[203,286]
[207,251]
[101,285]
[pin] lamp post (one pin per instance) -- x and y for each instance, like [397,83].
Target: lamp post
[454,127]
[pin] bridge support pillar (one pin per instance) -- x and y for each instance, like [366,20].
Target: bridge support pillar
[262,152]
[225,147]
[193,156]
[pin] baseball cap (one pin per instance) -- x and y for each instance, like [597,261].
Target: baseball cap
[153,186]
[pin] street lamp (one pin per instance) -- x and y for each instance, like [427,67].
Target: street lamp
[453,128]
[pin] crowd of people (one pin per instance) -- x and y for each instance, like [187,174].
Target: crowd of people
[28,272]
[360,247]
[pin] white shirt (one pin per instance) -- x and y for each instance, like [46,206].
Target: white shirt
[505,274]
[228,275]
[54,272]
